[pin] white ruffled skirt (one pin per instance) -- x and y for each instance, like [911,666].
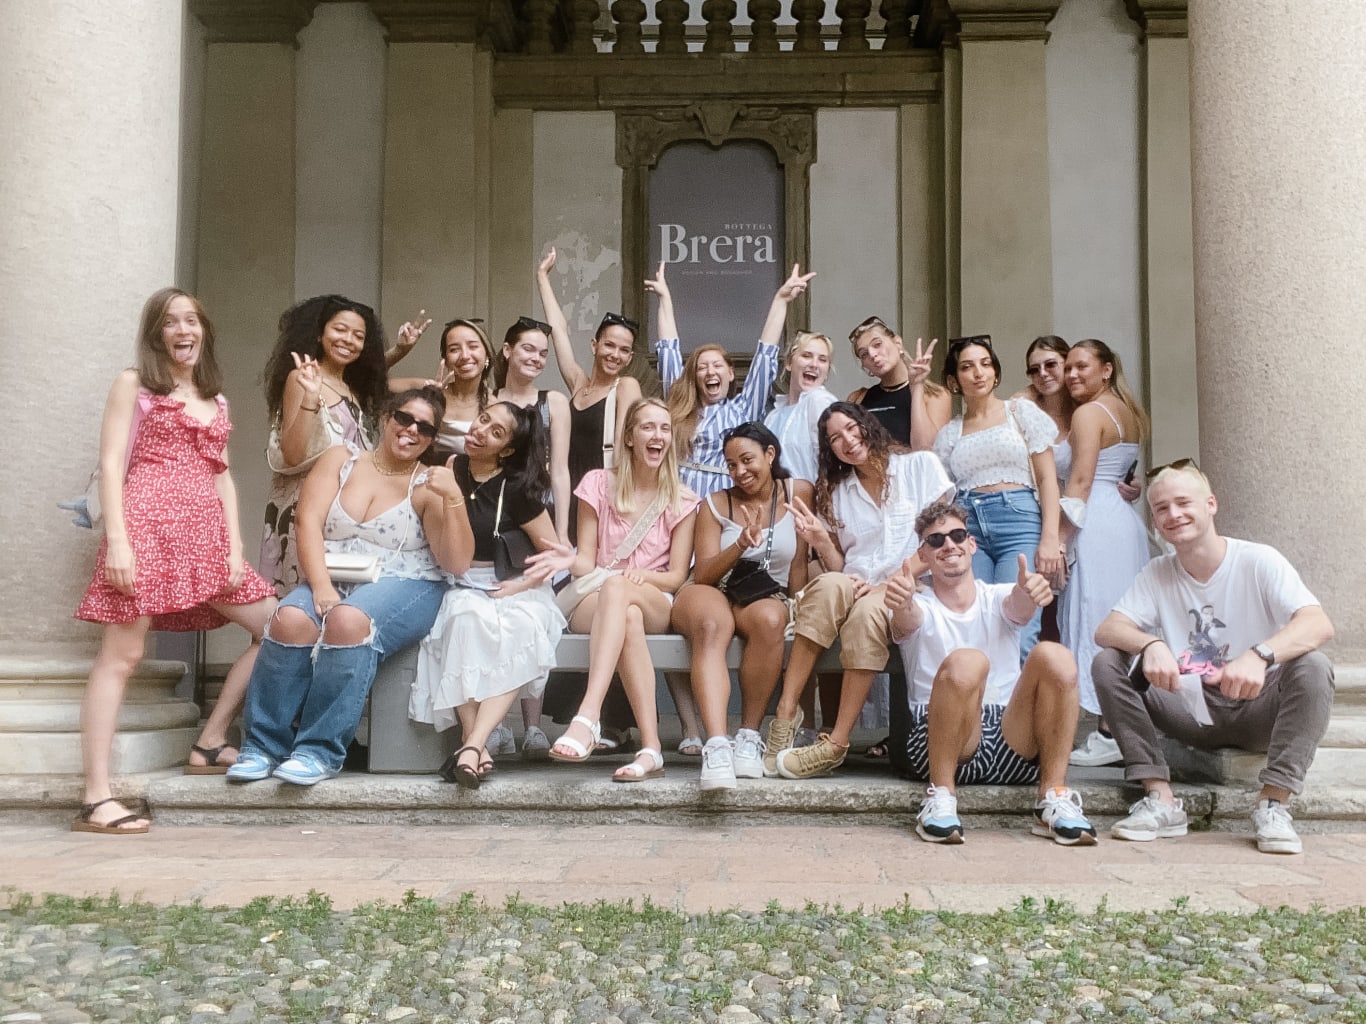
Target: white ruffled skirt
[481,646]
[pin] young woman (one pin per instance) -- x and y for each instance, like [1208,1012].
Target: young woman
[324,383]
[492,639]
[699,388]
[171,557]
[526,346]
[466,378]
[795,414]
[905,401]
[862,529]
[1108,542]
[592,433]
[635,522]
[325,641]
[744,526]
[1001,457]
[1045,360]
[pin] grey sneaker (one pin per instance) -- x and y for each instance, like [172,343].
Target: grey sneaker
[1275,828]
[1096,752]
[806,737]
[718,766]
[535,744]
[781,732]
[803,762]
[1151,819]
[749,755]
[501,741]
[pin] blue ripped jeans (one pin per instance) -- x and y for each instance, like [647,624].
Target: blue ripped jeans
[323,687]
[1005,524]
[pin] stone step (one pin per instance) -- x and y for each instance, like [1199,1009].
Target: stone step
[1350,681]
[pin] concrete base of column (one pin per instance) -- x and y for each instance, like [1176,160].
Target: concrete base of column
[40,717]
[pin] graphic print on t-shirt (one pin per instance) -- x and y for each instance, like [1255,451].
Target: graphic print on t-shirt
[1203,656]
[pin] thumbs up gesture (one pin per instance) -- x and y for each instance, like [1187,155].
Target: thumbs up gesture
[1035,586]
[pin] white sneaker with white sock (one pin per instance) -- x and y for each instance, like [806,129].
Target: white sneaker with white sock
[749,755]
[718,765]
[1275,828]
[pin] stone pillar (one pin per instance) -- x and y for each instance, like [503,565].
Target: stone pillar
[246,228]
[1280,257]
[1169,295]
[1004,227]
[89,168]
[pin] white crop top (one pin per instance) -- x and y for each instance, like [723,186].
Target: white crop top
[784,539]
[998,454]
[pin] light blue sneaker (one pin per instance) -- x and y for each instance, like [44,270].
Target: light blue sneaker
[303,770]
[1058,816]
[938,820]
[250,767]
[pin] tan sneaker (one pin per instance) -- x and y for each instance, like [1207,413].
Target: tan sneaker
[804,762]
[781,733]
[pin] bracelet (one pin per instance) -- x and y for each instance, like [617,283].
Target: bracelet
[311,408]
[1140,651]
[453,502]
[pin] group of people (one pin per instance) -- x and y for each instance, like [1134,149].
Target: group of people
[480,516]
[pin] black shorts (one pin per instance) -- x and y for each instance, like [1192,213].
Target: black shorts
[994,762]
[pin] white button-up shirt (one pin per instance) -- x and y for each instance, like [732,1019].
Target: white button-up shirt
[876,540]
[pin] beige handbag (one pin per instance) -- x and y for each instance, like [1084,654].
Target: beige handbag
[591,582]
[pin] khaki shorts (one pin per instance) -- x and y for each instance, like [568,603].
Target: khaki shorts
[827,610]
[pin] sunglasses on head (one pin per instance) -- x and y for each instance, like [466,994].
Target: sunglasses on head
[1047,364]
[936,540]
[972,339]
[461,321]
[617,320]
[1178,464]
[868,325]
[530,323]
[406,419]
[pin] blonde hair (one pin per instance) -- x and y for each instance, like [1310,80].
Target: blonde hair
[932,390]
[799,341]
[624,474]
[684,405]
[1189,469]
[1119,386]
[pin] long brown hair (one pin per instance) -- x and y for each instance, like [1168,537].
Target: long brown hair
[1118,385]
[154,362]
[831,469]
[684,405]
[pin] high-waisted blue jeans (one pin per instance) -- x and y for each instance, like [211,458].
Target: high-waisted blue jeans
[1005,524]
[322,687]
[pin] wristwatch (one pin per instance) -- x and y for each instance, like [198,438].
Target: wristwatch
[1265,653]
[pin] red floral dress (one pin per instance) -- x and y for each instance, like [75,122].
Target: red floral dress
[176,526]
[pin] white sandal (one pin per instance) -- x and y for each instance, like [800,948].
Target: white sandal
[637,772]
[581,752]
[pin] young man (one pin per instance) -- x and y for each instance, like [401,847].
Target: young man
[1222,626]
[977,715]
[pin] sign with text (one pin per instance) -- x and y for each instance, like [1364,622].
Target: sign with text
[716,220]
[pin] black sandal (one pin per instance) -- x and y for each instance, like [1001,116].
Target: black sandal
[210,755]
[461,774]
[82,823]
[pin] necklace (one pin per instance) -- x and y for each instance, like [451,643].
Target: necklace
[895,387]
[399,470]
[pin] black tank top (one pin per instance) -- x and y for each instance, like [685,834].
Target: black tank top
[585,452]
[892,409]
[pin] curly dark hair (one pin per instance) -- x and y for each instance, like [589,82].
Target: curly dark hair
[831,470]
[301,330]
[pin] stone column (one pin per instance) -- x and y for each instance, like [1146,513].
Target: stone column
[89,168]
[1280,256]
[1004,230]
[1169,295]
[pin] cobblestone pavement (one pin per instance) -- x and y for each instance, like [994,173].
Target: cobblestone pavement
[686,868]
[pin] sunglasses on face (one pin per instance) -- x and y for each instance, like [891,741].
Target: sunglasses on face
[406,419]
[868,325]
[530,323]
[1178,464]
[936,540]
[617,320]
[1051,365]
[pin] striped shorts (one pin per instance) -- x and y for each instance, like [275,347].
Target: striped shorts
[994,762]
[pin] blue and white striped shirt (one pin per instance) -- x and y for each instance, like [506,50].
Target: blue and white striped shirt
[705,469]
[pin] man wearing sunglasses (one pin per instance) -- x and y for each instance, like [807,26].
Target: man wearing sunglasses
[976,715]
[1215,645]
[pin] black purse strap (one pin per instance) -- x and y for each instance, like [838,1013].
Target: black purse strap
[772,525]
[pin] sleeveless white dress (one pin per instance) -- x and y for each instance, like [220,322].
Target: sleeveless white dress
[1109,551]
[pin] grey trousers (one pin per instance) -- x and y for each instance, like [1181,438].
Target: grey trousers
[1285,721]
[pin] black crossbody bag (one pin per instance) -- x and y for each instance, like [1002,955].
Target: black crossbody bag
[748,581]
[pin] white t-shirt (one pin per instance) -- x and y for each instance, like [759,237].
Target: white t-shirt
[795,427]
[1251,595]
[875,541]
[998,454]
[983,627]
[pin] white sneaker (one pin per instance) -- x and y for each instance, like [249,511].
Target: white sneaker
[1151,819]
[1096,752]
[749,755]
[501,741]
[718,765]
[938,820]
[1275,833]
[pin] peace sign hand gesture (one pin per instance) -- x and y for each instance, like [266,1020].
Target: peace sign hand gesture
[807,524]
[795,284]
[921,365]
[751,534]
[310,375]
[411,331]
